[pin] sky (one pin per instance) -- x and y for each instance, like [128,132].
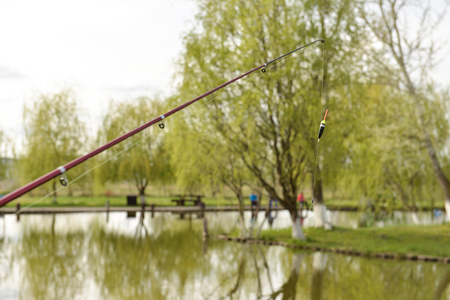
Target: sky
[101,49]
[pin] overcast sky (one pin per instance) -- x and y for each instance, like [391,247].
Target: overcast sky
[101,49]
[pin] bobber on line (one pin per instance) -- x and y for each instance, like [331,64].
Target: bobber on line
[322,125]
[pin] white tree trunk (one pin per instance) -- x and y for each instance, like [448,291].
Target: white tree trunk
[297,263]
[297,231]
[319,261]
[320,217]
[319,264]
[415,218]
[447,209]
[142,198]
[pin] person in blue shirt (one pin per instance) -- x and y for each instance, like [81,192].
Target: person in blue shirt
[254,199]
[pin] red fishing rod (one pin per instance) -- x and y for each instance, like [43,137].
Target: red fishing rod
[62,169]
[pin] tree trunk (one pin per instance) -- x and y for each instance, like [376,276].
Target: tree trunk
[297,231]
[320,210]
[241,214]
[54,192]
[443,180]
[319,215]
[447,207]
[142,195]
[317,188]
[266,216]
[415,218]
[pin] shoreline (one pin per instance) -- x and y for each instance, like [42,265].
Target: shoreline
[364,242]
[377,255]
[168,208]
[103,209]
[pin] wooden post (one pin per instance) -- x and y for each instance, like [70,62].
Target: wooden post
[18,212]
[205,222]
[202,210]
[142,210]
[205,228]
[107,211]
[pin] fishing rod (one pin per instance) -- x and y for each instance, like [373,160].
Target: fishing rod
[60,171]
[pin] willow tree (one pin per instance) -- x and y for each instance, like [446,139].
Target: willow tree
[54,135]
[382,165]
[407,58]
[203,160]
[141,159]
[269,121]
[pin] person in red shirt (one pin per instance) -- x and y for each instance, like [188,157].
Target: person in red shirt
[301,198]
[301,204]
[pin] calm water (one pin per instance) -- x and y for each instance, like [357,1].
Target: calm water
[342,219]
[82,256]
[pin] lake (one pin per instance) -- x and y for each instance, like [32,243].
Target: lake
[92,256]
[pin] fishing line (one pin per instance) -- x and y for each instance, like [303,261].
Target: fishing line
[322,94]
[79,177]
[188,112]
[192,110]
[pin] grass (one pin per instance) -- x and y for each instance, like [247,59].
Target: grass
[351,204]
[90,201]
[431,240]
[64,201]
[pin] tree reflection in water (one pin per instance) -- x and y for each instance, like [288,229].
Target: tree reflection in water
[50,263]
[166,258]
[289,289]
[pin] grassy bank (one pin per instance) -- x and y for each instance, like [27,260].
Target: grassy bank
[64,201]
[351,205]
[431,240]
[332,204]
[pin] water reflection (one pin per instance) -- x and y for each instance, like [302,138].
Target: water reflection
[349,219]
[49,263]
[83,256]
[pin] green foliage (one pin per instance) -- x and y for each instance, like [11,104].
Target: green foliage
[267,123]
[386,156]
[54,135]
[142,158]
[406,58]
[204,160]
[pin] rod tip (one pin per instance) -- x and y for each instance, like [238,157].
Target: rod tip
[322,40]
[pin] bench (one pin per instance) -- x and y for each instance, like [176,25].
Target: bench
[181,201]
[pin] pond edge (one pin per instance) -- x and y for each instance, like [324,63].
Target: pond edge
[379,255]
